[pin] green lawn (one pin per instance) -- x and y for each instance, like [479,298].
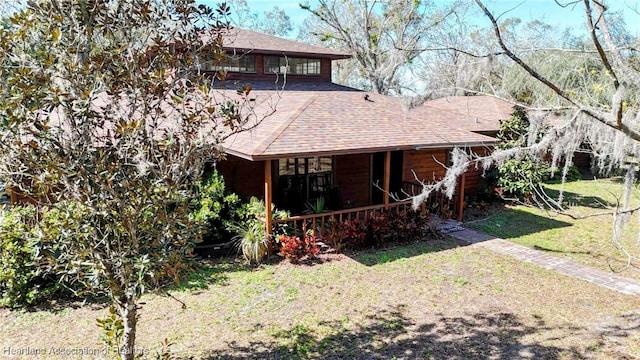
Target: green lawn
[430,299]
[426,300]
[588,241]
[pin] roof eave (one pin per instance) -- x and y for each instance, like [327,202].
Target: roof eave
[461,144]
[262,157]
[332,56]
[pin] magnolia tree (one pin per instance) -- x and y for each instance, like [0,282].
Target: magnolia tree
[105,123]
[590,91]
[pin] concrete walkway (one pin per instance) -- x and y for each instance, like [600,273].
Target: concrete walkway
[563,266]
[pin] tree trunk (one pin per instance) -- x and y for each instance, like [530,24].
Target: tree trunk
[129,316]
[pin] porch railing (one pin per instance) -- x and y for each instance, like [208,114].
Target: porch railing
[318,222]
[437,202]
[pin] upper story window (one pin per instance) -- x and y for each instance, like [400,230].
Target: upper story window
[235,63]
[303,166]
[294,66]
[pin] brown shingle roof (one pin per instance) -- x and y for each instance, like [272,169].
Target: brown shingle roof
[310,123]
[242,40]
[479,113]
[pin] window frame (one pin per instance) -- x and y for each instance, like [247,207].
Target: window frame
[292,65]
[241,64]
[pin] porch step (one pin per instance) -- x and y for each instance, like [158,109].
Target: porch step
[447,226]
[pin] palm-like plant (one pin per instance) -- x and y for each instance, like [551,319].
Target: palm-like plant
[251,240]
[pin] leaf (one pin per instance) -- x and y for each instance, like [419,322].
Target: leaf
[55,34]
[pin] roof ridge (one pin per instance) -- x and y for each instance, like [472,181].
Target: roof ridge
[264,145]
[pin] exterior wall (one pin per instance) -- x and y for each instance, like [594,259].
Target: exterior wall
[352,174]
[424,165]
[244,177]
[582,160]
[17,197]
[259,75]
[473,176]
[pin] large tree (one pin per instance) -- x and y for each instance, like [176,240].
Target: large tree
[460,56]
[594,88]
[591,95]
[105,124]
[272,22]
[383,36]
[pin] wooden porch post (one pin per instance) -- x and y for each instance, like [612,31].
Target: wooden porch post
[268,196]
[387,177]
[461,199]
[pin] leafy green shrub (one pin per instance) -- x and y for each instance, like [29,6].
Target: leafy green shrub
[24,277]
[255,209]
[214,209]
[250,229]
[518,176]
[573,174]
[18,273]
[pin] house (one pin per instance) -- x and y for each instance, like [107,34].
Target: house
[350,147]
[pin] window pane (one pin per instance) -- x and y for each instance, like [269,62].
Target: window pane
[316,165]
[235,63]
[286,166]
[300,166]
[320,164]
[294,66]
[271,65]
[313,66]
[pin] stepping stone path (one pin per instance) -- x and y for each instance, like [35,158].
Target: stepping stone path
[563,266]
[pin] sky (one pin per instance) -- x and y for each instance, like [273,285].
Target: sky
[526,10]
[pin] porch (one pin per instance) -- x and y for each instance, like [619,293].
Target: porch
[437,203]
[352,185]
[356,186]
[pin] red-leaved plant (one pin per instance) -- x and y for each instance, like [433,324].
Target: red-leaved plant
[294,249]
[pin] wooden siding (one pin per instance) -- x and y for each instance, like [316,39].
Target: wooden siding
[473,176]
[352,175]
[423,164]
[244,177]
[426,168]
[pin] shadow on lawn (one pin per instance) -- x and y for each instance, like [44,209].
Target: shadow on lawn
[390,334]
[513,223]
[574,199]
[209,272]
[402,251]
